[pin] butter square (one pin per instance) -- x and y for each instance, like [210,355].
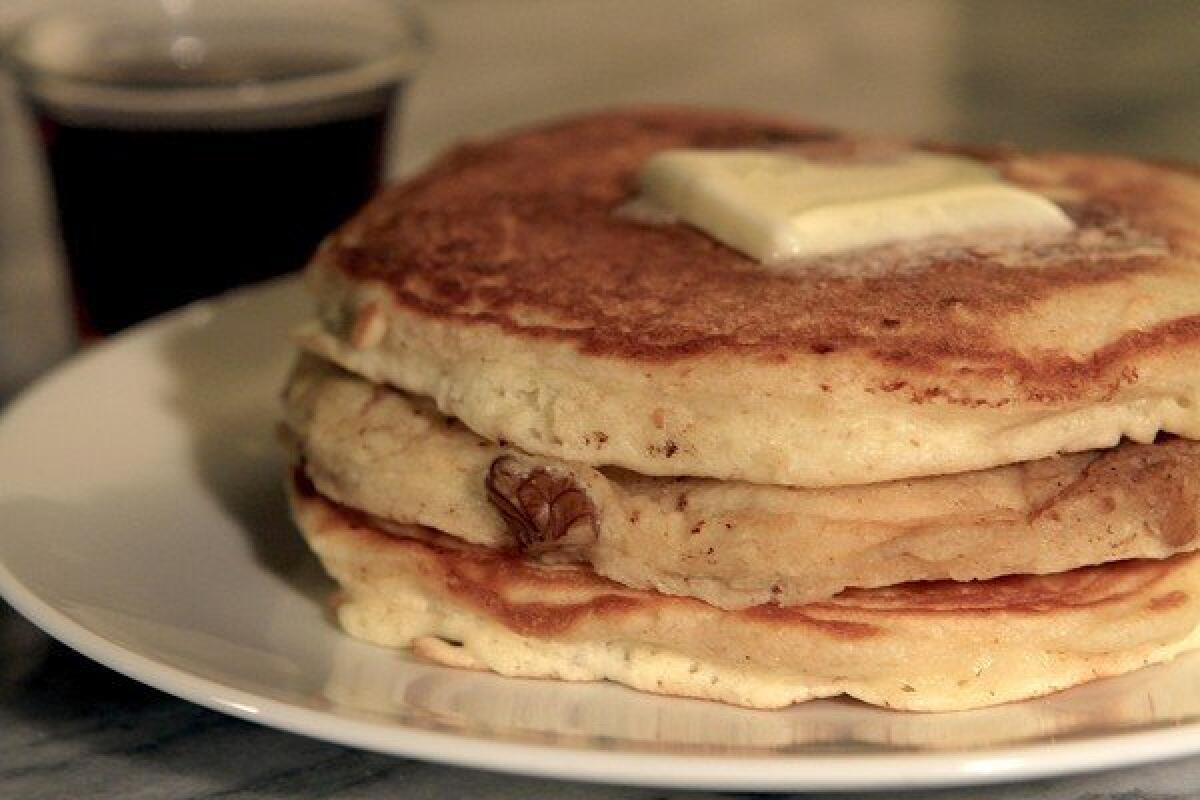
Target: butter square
[777,207]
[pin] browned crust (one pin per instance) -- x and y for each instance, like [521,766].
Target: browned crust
[487,580]
[519,233]
[1084,587]
[1157,482]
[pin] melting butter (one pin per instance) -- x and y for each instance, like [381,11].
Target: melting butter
[776,206]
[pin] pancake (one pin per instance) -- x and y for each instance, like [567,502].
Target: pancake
[510,284]
[736,544]
[925,646]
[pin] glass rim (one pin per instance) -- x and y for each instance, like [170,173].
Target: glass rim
[81,95]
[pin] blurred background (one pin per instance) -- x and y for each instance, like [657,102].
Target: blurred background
[1088,74]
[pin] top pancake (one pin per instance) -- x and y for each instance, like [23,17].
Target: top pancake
[507,283]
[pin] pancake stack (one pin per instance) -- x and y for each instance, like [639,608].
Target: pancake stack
[541,431]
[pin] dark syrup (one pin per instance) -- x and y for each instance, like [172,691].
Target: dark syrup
[154,217]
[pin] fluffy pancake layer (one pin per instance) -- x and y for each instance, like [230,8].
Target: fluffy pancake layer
[507,284]
[735,544]
[931,646]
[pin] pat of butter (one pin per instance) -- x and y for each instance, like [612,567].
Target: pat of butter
[780,206]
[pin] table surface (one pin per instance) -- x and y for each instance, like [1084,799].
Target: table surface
[1090,74]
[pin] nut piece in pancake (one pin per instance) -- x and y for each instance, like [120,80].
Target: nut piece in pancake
[737,544]
[545,509]
[516,294]
[931,647]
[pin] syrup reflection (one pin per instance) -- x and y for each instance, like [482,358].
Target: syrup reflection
[367,680]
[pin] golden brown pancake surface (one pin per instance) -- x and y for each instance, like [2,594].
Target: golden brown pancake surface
[522,233]
[507,283]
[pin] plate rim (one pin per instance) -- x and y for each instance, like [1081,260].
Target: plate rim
[784,772]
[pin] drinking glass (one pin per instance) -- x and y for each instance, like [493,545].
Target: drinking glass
[198,145]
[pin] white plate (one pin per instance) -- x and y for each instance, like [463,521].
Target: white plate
[142,523]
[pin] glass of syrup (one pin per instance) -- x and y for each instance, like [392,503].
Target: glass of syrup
[198,145]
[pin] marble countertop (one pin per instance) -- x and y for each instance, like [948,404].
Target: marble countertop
[71,728]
